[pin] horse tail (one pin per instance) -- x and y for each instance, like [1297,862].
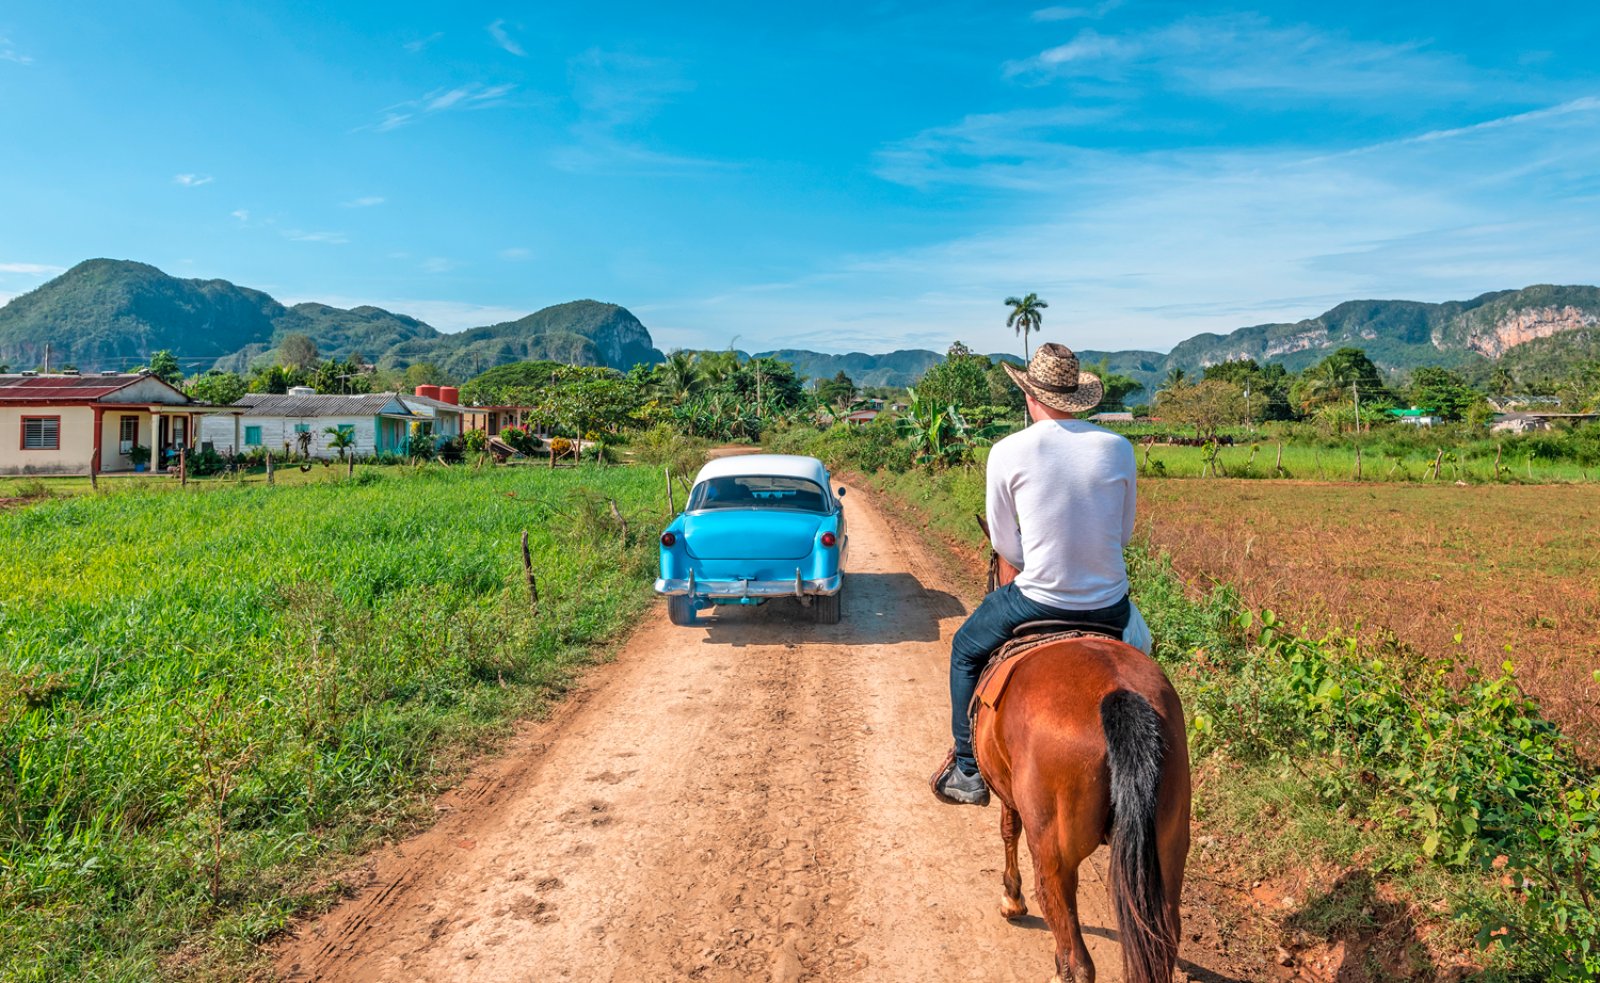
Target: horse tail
[1135,749]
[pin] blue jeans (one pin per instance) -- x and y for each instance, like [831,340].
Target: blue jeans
[986,630]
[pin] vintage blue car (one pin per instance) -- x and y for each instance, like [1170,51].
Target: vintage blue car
[756,527]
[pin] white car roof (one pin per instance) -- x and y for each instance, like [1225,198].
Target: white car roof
[779,465]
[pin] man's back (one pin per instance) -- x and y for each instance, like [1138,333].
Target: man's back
[1073,486]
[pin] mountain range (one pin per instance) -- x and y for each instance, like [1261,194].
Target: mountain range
[111,314]
[105,314]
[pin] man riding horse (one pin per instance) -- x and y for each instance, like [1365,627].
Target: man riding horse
[1060,510]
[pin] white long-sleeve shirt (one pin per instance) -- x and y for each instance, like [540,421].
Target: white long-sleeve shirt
[1061,498]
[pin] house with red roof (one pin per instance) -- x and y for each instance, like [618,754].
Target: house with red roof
[82,424]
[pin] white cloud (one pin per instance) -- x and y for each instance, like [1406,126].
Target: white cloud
[1141,249]
[497,30]
[242,214]
[414,47]
[438,264]
[192,180]
[33,269]
[473,95]
[516,252]
[1047,14]
[331,238]
[367,201]
[8,52]
[1247,55]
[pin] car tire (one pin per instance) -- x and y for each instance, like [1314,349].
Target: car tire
[680,609]
[828,607]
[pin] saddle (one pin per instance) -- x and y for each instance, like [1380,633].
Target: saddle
[1027,639]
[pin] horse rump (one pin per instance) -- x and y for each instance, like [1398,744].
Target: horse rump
[1135,750]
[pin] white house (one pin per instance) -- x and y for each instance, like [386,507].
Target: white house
[297,422]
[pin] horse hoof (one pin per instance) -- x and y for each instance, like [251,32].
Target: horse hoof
[1012,910]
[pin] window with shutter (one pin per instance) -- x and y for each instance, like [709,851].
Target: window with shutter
[41,433]
[127,434]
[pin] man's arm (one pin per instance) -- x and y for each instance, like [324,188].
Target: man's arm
[1002,510]
[1130,501]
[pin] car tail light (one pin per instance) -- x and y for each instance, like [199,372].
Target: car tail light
[667,539]
[828,539]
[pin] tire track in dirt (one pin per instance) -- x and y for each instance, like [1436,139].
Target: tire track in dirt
[740,800]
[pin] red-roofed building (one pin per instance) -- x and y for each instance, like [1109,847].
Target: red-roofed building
[77,424]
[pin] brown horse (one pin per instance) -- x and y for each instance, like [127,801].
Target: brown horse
[1088,747]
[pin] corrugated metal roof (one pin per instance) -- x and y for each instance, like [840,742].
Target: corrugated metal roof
[366,404]
[72,387]
[434,404]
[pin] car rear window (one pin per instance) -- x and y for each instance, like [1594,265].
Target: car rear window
[758,492]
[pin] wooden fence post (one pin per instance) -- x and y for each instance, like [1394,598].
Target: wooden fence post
[527,570]
[1498,449]
[672,507]
[270,479]
[1437,461]
[1277,465]
[1358,462]
[616,513]
[183,466]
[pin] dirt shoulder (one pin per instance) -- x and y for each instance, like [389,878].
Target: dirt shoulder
[740,800]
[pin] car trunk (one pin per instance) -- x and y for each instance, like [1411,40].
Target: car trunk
[751,534]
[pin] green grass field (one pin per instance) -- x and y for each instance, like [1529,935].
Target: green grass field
[206,694]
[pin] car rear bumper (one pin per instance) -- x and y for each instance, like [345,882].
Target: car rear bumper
[798,587]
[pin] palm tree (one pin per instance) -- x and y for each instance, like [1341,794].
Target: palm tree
[341,439]
[1025,317]
[680,374]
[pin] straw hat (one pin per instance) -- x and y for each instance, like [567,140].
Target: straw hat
[1054,379]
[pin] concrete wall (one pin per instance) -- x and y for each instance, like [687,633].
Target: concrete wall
[77,441]
[277,430]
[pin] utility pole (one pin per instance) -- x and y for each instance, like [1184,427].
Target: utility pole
[1357,394]
[47,358]
[1248,419]
[760,407]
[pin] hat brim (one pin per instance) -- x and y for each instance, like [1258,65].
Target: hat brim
[1088,395]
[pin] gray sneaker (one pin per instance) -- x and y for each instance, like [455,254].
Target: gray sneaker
[960,787]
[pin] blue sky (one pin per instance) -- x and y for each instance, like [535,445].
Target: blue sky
[861,176]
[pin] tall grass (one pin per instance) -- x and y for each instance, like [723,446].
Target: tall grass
[202,694]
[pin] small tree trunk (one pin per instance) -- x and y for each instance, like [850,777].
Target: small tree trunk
[1358,462]
[1278,464]
[1438,460]
[350,466]
[183,466]
[1498,450]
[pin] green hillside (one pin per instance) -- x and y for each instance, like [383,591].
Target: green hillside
[109,314]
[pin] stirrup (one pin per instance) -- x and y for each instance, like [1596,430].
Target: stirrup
[944,769]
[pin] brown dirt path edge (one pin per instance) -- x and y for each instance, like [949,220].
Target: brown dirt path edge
[745,799]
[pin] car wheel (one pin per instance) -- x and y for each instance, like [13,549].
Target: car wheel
[680,609]
[827,607]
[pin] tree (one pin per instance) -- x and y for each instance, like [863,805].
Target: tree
[164,366]
[347,377]
[343,439]
[1117,387]
[1442,391]
[276,379]
[679,377]
[1025,317]
[217,388]
[424,374]
[1002,391]
[1343,375]
[1208,405]
[297,351]
[1266,387]
[962,379]
[490,388]
[839,391]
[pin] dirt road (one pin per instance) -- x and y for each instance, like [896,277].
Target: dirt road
[745,800]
